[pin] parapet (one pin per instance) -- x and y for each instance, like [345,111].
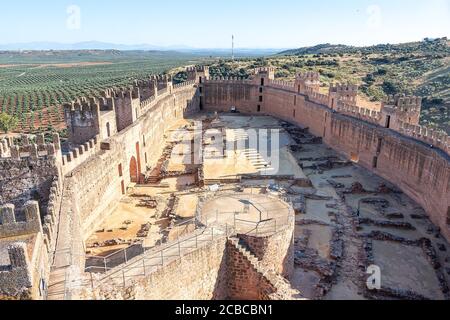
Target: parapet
[344,89]
[357,112]
[435,138]
[80,154]
[184,85]
[228,79]
[10,149]
[284,85]
[404,103]
[264,70]
[83,105]
[11,227]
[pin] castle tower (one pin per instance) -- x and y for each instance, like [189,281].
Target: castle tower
[264,74]
[342,92]
[164,82]
[408,109]
[198,73]
[401,108]
[147,88]
[126,104]
[82,119]
[308,81]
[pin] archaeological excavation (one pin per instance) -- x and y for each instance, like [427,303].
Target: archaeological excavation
[227,189]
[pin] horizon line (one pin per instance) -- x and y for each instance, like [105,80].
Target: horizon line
[186,47]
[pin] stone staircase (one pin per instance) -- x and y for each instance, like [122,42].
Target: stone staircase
[155,176]
[283,288]
[252,155]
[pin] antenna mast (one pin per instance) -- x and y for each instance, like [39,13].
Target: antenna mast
[232,47]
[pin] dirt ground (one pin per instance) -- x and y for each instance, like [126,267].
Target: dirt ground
[406,270]
[334,245]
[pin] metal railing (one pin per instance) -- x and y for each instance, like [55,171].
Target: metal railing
[155,258]
[135,262]
[103,264]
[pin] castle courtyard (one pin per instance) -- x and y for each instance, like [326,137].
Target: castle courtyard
[345,216]
[241,189]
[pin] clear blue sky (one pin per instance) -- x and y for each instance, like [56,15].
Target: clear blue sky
[210,23]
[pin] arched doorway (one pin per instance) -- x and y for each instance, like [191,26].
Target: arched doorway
[133,170]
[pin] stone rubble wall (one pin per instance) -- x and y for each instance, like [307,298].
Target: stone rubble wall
[274,252]
[249,279]
[220,270]
[28,261]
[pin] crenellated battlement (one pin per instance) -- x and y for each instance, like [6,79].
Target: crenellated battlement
[197,73]
[358,112]
[344,89]
[347,92]
[83,105]
[268,70]
[435,138]
[80,154]
[316,96]
[402,108]
[404,103]
[285,85]
[228,79]
[184,84]
[29,147]
[11,226]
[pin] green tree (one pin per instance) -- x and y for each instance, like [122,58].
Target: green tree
[8,122]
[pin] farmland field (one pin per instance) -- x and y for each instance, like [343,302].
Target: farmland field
[33,85]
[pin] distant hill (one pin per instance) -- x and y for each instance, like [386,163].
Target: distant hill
[105,46]
[70,56]
[87,45]
[440,45]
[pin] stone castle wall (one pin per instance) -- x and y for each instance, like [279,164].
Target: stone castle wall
[219,270]
[423,173]
[26,179]
[117,138]
[98,181]
[27,247]
[200,275]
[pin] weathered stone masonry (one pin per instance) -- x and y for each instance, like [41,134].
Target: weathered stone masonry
[116,138]
[388,142]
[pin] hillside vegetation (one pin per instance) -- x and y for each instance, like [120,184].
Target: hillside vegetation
[419,68]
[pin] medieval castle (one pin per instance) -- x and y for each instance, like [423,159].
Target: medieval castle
[54,197]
